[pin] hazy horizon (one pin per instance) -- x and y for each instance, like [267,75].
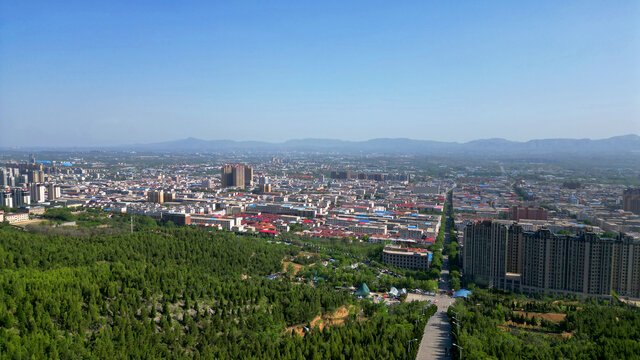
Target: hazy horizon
[117,73]
[124,145]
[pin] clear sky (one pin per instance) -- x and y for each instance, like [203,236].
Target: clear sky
[122,72]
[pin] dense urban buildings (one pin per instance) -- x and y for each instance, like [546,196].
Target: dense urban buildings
[376,200]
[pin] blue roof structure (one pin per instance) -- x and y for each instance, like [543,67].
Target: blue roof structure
[461,293]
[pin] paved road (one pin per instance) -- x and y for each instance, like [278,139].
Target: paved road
[436,338]
[437,334]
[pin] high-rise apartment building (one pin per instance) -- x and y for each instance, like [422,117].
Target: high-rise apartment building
[21,197]
[169,196]
[530,212]
[35,176]
[38,193]
[248,176]
[485,252]
[208,183]
[239,176]
[631,200]
[3,177]
[23,179]
[6,198]
[53,192]
[226,175]
[156,196]
[341,175]
[499,254]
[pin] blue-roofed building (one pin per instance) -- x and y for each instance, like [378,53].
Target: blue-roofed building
[462,293]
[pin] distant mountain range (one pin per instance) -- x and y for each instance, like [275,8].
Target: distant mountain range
[618,145]
[623,146]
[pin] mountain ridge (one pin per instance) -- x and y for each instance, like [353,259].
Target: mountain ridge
[623,145]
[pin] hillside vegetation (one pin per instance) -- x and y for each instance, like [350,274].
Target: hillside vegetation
[179,293]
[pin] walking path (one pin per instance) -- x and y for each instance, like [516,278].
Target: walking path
[436,339]
[437,334]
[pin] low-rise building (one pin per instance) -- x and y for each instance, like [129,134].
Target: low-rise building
[406,258]
[13,218]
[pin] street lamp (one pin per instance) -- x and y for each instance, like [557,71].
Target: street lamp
[424,308]
[459,347]
[409,343]
[457,328]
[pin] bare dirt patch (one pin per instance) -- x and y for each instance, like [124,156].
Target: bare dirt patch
[296,267]
[23,224]
[337,318]
[555,317]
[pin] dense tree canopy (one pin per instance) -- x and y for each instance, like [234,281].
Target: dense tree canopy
[501,325]
[179,293]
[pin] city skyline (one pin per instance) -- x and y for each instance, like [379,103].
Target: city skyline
[118,73]
[320,180]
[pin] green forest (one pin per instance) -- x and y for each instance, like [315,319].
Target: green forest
[503,325]
[182,293]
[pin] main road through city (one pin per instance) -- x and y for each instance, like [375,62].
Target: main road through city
[437,334]
[436,340]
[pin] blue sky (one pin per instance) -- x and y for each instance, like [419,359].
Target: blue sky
[113,72]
